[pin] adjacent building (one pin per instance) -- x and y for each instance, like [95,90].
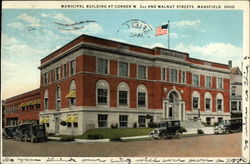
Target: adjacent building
[98,83]
[23,108]
[236,91]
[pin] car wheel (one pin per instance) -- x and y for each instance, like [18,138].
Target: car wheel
[227,131]
[162,136]
[178,134]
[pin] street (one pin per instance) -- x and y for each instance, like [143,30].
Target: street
[228,145]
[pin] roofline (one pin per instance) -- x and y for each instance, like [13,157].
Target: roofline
[210,61]
[9,99]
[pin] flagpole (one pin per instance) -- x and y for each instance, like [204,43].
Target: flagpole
[168,34]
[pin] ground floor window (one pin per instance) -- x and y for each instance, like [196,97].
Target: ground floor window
[220,119]
[102,120]
[69,124]
[123,120]
[75,124]
[208,121]
[142,121]
[170,112]
[47,125]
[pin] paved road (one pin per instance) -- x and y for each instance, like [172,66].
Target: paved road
[209,145]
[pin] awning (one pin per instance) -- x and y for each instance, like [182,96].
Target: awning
[37,101]
[72,119]
[44,120]
[29,103]
[21,105]
[71,94]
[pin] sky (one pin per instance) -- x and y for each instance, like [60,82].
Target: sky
[28,35]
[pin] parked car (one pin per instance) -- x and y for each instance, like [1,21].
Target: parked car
[30,132]
[228,126]
[8,131]
[167,129]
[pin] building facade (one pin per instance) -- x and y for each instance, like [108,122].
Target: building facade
[98,83]
[236,91]
[23,108]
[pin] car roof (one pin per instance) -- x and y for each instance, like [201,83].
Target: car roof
[11,126]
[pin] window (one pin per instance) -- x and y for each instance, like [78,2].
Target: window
[220,119]
[102,92]
[75,124]
[183,77]
[142,121]
[234,105]
[141,96]
[72,94]
[219,83]
[123,120]
[58,73]
[208,121]
[141,99]
[173,75]
[46,78]
[51,75]
[102,96]
[208,81]
[123,97]
[123,69]
[69,124]
[208,107]
[196,80]
[64,70]
[219,104]
[102,120]
[47,125]
[233,90]
[239,105]
[102,66]
[141,72]
[58,98]
[72,67]
[46,100]
[163,74]
[195,102]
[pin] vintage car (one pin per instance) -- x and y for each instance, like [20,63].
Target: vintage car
[8,131]
[30,132]
[167,129]
[228,126]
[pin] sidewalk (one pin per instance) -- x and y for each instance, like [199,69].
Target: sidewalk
[206,130]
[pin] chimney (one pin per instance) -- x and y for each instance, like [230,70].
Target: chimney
[230,64]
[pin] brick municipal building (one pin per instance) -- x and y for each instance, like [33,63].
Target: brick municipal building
[98,83]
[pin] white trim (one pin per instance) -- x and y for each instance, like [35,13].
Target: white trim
[196,94]
[108,65]
[206,81]
[142,89]
[177,71]
[123,86]
[193,74]
[222,80]
[118,68]
[137,71]
[102,84]
[208,96]
[220,96]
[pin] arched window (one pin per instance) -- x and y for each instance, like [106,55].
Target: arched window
[123,94]
[142,96]
[208,101]
[72,94]
[195,100]
[102,92]
[46,100]
[219,102]
[58,98]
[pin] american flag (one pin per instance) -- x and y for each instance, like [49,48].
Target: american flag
[161,30]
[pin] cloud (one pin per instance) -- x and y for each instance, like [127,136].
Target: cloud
[218,52]
[187,23]
[17,25]
[62,17]
[33,21]
[155,45]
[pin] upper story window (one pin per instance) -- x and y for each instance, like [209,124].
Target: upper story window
[234,105]
[183,77]
[64,70]
[123,69]
[163,74]
[173,75]
[233,90]
[208,101]
[219,102]
[141,96]
[52,75]
[123,90]
[102,92]
[196,81]
[142,72]
[196,100]
[102,66]
[219,83]
[58,73]
[72,94]
[72,67]
[46,78]
[58,98]
[46,100]
[208,81]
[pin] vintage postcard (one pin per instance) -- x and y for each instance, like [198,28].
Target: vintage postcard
[125,82]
